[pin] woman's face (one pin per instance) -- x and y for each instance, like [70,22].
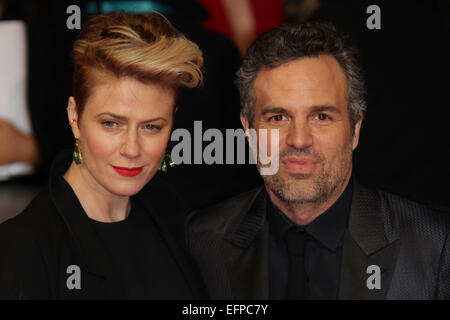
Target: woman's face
[123,133]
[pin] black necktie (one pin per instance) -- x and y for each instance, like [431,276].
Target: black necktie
[297,280]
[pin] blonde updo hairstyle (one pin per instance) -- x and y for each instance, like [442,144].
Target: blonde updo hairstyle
[145,47]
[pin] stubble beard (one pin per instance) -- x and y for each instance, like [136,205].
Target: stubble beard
[314,188]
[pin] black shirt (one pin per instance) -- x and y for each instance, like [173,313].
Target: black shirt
[141,262]
[323,249]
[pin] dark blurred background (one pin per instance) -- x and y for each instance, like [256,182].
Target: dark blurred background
[403,145]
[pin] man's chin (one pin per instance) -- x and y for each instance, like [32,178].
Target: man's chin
[297,178]
[290,196]
[301,177]
[293,187]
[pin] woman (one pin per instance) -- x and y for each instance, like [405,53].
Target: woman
[91,234]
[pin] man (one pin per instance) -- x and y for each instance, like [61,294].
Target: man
[312,231]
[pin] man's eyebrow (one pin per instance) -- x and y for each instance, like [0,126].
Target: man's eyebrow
[118,117]
[273,110]
[318,108]
[324,108]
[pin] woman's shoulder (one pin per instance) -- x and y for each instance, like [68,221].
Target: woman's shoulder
[39,215]
[23,272]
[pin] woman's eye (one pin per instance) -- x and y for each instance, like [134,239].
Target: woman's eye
[109,124]
[322,116]
[152,127]
[278,117]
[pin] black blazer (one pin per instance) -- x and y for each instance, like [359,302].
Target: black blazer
[408,241]
[38,245]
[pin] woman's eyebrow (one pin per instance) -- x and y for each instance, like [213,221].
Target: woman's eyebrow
[119,117]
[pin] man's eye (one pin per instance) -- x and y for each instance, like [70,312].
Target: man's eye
[110,124]
[278,117]
[322,116]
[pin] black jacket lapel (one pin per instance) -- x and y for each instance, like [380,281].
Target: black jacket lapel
[367,253]
[88,250]
[86,241]
[246,252]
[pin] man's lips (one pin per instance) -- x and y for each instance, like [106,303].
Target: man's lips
[128,172]
[300,165]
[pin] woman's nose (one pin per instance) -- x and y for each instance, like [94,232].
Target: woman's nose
[130,147]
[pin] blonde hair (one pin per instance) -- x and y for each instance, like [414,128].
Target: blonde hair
[145,47]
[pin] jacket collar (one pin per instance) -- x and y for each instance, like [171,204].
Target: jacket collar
[366,247]
[365,244]
[245,251]
[243,233]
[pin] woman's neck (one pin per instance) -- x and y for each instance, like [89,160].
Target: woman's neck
[98,203]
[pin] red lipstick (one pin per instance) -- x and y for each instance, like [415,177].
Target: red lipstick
[128,172]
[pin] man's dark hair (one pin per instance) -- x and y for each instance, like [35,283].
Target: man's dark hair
[289,42]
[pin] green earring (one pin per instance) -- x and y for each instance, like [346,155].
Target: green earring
[169,160]
[77,154]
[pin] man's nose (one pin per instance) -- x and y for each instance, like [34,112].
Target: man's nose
[130,147]
[299,135]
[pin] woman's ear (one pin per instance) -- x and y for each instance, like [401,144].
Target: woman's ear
[72,115]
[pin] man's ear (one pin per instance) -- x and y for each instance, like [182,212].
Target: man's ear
[244,122]
[72,115]
[356,132]
[248,134]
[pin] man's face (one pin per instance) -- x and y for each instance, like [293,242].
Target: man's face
[306,101]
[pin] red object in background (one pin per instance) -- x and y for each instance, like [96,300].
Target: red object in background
[219,20]
[267,14]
